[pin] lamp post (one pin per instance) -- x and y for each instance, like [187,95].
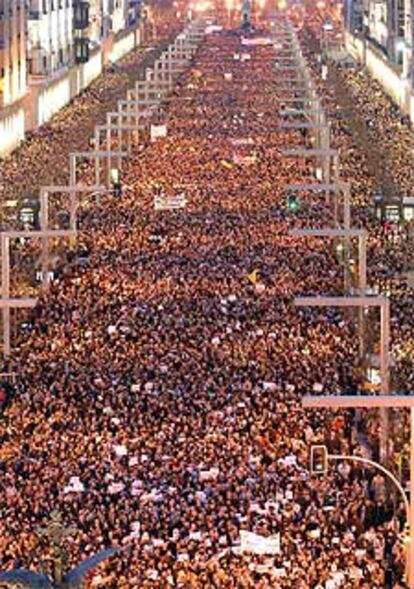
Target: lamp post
[383,402]
[321,130]
[366,301]
[8,303]
[347,234]
[326,155]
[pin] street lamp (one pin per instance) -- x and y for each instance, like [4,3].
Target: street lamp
[382,402]
[362,301]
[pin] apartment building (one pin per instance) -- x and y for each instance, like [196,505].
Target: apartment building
[12,51]
[51,50]
[386,23]
[50,36]
[13,78]
[383,42]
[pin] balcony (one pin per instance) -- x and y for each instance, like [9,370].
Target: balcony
[81,48]
[81,15]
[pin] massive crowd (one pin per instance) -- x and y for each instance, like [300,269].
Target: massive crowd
[41,160]
[381,138]
[162,380]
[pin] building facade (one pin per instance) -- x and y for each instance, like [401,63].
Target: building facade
[13,74]
[379,34]
[51,50]
[386,23]
[12,51]
[50,36]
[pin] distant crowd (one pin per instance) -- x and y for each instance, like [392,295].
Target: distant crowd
[163,376]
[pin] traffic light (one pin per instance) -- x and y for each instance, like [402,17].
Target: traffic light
[319,460]
[293,203]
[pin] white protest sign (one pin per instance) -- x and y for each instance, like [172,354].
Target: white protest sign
[244,160]
[256,544]
[75,486]
[213,29]
[165,203]
[257,41]
[158,132]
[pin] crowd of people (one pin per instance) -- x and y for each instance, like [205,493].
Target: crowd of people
[388,133]
[42,159]
[162,378]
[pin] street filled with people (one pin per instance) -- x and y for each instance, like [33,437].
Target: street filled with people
[161,379]
[42,159]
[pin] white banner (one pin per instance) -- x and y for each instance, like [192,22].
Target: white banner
[244,160]
[213,29]
[242,141]
[257,544]
[165,203]
[257,41]
[158,132]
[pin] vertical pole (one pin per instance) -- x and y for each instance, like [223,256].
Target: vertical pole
[362,285]
[72,197]
[169,68]
[97,148]
[326,163]
[411,522]
[336,168]
[385,376]
[120,132]
[44,215]
[109,148]
[5,292]
[44,209]
[130,132]
[336,207]
[347,207]
[362,247]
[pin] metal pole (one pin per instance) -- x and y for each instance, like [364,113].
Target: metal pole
[411,518]
[73,195]
[97,147]
[347,206]
[336,168]
[44,222]
[326,167]
[379,467]
[362,285]
[5,292]
[109,148]
[385,377]
[336,205]
[362,250]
